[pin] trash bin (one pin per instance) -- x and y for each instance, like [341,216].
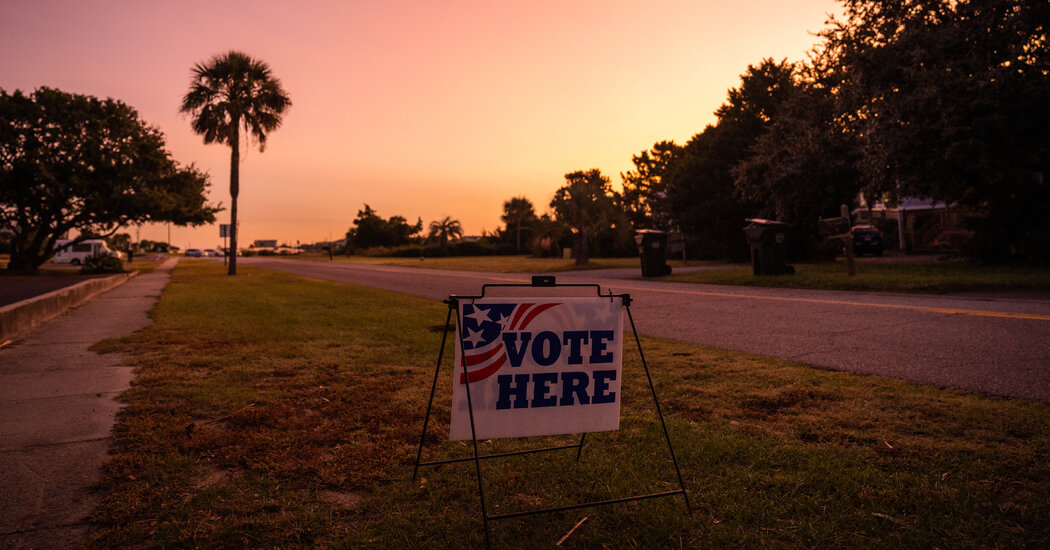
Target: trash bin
[652,247]
[768,247]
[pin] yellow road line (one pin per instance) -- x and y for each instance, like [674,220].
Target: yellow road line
[945,311]
[925,309]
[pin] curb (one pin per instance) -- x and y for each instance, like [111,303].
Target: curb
[20,317]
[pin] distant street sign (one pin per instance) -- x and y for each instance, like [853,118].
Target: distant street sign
[224,230]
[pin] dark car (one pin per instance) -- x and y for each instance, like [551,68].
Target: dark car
[866,239]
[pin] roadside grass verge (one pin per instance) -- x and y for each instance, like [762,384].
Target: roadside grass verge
[882,275]
[271,410]
[493,264]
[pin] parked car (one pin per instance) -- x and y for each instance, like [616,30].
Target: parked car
[77,253]
[212,253]
[194,253]
[866,239]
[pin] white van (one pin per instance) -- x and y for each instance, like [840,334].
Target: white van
[77,253]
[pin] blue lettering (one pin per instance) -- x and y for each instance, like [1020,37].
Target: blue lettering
[518,390]
[574,383]
[575,340]
[553,348]
[514,389]
[541,387]
[598,341]
[601,386]
[514,353]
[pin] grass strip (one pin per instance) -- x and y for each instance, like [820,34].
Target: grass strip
[488,264]
[277,411]
[905,274]
[883,275]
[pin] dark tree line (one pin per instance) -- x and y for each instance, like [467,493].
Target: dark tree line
[928,98]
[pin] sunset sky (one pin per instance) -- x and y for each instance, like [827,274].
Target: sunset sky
[423,109]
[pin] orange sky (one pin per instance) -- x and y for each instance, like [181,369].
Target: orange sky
[419,108]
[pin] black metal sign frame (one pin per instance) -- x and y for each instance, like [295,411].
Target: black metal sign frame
[537,282]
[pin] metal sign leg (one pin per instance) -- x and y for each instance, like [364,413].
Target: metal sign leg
[433,388]
[667,437]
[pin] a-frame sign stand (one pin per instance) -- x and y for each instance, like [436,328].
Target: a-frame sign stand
[548,282]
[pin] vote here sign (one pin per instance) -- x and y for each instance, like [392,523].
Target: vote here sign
[538,366]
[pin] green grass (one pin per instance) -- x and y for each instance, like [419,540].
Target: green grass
[276,411]
[881,275]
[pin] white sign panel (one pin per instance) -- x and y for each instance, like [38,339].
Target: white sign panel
[538,366]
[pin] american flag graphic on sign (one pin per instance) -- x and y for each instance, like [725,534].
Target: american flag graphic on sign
[483,325]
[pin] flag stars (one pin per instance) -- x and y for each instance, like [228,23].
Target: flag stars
[473,337]
[479,316]
[503,320]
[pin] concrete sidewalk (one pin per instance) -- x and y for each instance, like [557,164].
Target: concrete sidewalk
[57,408]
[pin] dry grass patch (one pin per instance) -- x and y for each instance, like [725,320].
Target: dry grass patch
[878,274]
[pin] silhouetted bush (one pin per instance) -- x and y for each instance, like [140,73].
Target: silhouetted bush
[102,263]
[461,248]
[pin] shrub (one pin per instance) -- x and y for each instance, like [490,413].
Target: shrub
[102,263]
[461,248]
[473,248]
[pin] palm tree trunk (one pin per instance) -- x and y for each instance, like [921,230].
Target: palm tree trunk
[235,188]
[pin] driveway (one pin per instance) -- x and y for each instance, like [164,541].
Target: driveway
[997,345]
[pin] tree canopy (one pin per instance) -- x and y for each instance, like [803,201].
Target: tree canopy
[702,197]
[948,100]
[518,213]
[372,230]
[445,229]
[645,187]
[587,205]
[75,162]
[937,99]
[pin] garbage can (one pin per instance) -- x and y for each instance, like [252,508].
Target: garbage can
[768,248]
[652,247]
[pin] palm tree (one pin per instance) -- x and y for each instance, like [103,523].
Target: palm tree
[519,213]
[445,229]
[227,93]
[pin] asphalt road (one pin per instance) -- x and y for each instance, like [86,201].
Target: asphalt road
[995,345]
[15,288]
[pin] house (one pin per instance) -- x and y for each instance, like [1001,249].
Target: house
[923,225]
[264,243]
